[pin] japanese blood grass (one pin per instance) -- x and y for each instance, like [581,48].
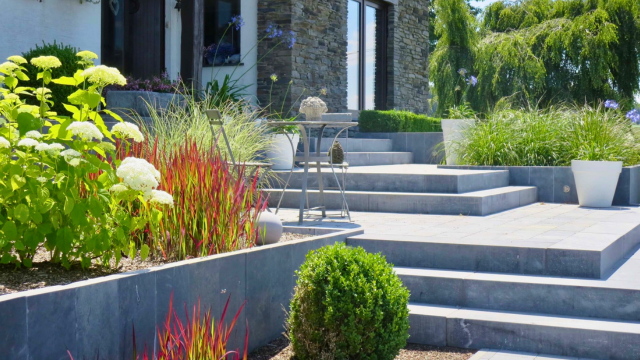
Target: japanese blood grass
[215,210]
[550,137]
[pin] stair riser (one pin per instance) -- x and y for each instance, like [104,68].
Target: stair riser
[379,158]
[619,304]
[477,334]
[355,145]
[414,204]
[453,184]
[484,258]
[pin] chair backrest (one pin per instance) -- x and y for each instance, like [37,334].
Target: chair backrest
[214,117]
[215,120]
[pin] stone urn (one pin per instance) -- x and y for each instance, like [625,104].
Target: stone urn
[313,107]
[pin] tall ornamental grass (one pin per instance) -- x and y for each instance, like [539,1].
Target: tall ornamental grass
[215,210]
[247,136]
[550,137]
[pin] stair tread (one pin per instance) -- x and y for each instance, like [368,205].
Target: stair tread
[409,169]
[494,354]
[525,318]
[474,194]
[624,284]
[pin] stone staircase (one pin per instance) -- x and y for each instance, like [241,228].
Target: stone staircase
[575,294]
[367,152]
[409,188]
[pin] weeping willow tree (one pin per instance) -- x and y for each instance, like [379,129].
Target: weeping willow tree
[456,28]
[555,51]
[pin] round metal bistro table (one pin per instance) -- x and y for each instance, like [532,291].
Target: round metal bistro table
[316,158]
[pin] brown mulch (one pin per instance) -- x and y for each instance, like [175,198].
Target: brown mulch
[44,273]
[281,350]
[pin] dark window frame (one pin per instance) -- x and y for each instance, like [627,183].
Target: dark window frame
[381,87]
[236,34]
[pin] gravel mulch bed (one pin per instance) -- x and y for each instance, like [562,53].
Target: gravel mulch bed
[43,273]
[281,350]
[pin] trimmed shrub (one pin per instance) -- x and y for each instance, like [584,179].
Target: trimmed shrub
[67,55]
[348,304]
[397,121]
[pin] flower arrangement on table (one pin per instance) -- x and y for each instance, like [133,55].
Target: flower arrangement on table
[62,186]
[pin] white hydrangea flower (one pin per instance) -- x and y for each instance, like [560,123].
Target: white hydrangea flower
[118,188]
[72,157]
[87,55]
[42,147]
[138,174]
[33,134]
[17,59]
[52,149]
[46,62]
[104,75]
[4,143]
[128,131]
[28,143]
[107,146]
[8,68]
[161,198]
[85,130]
[11,97]
[42,179]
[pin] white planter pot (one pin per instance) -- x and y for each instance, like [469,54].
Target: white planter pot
[596,181]
[280,153]
[453,131]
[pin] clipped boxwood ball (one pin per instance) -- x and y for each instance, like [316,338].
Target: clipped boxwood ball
[348,304]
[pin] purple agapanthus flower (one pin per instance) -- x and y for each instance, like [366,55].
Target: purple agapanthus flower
[611,104]
[634,116]
[273,31]
[473,80]
[290,39]
[237,21]
[462,71]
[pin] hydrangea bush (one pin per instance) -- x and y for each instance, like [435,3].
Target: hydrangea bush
[61,185]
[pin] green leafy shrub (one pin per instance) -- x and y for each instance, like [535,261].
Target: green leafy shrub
[67,56]
[397,121]
[550,137]
[348,304]
[62,186]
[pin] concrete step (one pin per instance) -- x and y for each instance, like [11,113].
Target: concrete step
[526,332]
[522,293]
[477,203]
[402,178]
[378,158]
[355,145]
[494,354]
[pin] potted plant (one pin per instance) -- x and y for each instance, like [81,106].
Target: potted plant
[284,144]
[602,139]
[460,118]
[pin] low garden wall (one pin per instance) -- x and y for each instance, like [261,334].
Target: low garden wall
[124,101]
[425,146]
[557,185]
[95,318]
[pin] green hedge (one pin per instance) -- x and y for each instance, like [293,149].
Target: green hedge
[397,121]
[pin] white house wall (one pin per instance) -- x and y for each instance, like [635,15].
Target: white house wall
[26,23]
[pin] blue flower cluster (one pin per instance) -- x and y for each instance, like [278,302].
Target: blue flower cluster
[634,116]
[237,21]
[289,37]
[611,104]
[472,80]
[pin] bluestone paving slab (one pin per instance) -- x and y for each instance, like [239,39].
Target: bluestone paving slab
[13,327]
[488,354]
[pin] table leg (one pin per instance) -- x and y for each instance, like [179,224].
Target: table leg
[319,167]
[305,176]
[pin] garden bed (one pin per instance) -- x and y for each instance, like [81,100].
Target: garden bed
[280,349]
[44,273]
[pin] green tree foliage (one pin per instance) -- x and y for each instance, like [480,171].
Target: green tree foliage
[455,27]
[552,51]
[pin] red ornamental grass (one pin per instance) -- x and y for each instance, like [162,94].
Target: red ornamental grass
[215,210]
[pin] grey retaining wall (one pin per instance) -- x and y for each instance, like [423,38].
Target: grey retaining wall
[94,318]
[425,146]
[557,185]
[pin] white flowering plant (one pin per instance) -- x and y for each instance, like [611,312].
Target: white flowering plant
[62,185]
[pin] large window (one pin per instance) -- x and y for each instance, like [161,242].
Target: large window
[366,55]
[221,42]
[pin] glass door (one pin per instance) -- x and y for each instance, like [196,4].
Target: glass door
[366,55]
